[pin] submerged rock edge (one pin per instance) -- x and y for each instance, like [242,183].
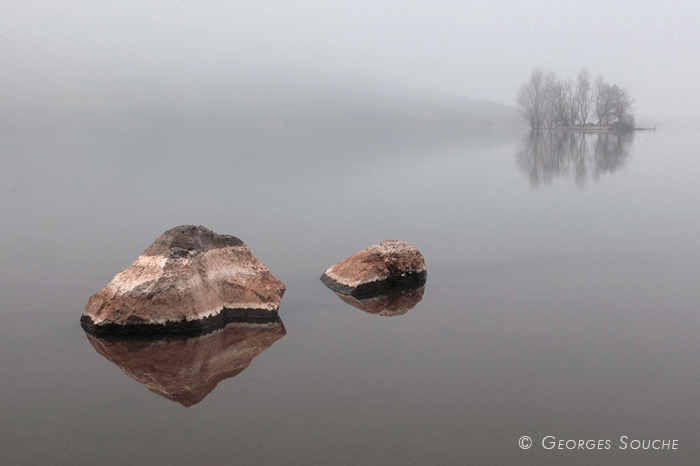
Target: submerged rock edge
[380,287]
[179,328]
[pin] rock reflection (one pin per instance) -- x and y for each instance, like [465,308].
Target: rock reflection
[394,301]
[187,369]
[545,155]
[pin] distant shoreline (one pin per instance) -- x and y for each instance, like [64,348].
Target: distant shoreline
[599,129]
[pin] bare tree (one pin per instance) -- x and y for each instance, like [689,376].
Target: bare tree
[560,103]
[603,101]
[572,105]
[622,107]
[613,105]
[545,101]
[584,95]
[532,99]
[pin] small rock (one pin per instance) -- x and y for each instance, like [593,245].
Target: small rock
[185,280]
[371,270]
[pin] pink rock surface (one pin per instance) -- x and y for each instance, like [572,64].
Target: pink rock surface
[189,275]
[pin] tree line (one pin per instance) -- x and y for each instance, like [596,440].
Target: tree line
[547,102]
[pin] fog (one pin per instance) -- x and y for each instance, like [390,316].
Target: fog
[562,290]
[191,55]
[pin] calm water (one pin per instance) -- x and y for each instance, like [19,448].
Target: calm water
[562,294]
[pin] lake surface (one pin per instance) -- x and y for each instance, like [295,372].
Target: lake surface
[562,295]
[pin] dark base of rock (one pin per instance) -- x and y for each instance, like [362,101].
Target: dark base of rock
[182,328]
[378,288]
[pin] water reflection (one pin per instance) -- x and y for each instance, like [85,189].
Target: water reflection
[545,155]
[187,369]
[394,301]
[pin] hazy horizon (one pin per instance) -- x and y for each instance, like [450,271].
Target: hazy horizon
[193,53]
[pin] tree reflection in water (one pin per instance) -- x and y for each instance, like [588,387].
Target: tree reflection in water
[545,155]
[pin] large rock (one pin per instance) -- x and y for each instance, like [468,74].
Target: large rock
[385,265]
[187,369]
[189,278]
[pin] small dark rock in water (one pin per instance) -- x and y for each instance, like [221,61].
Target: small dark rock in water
[187,369]
[188,279]
[379,267]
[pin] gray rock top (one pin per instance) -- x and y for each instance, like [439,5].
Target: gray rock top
[189,240]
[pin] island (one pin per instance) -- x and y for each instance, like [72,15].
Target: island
[547,102]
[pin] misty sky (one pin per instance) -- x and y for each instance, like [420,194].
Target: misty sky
[480,50]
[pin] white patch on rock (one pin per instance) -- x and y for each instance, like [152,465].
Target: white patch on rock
[143,270]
